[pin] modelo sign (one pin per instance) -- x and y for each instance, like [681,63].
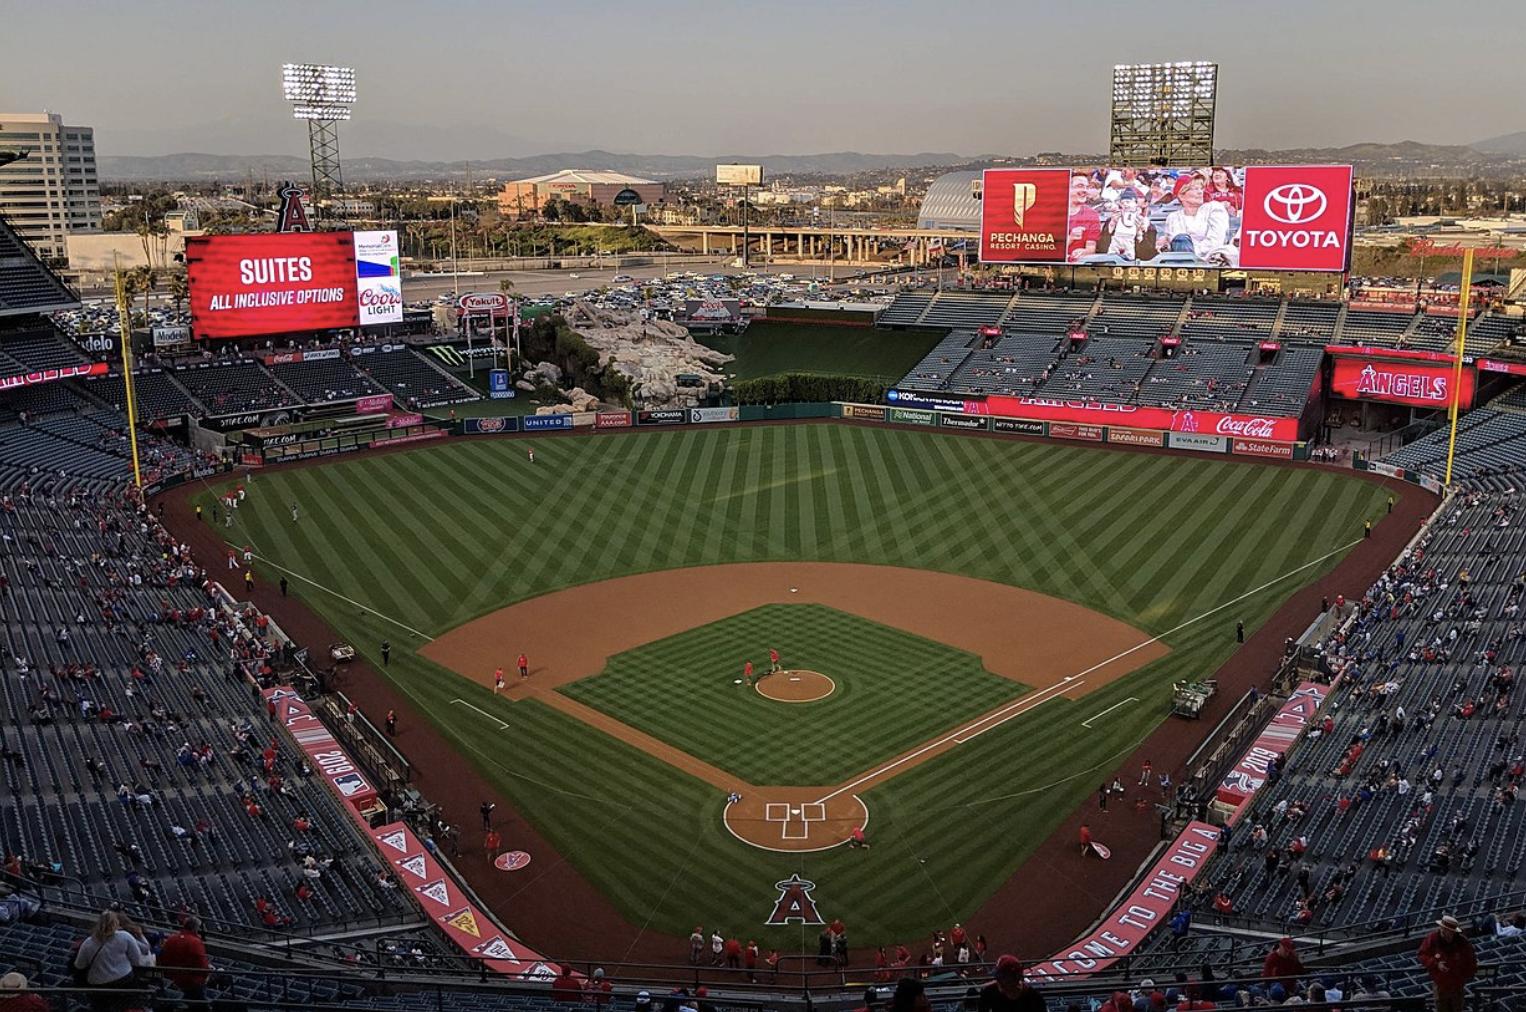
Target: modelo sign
[1417,384]
[1269,217]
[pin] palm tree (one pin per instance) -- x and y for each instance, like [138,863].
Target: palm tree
[505,286]
[179,290]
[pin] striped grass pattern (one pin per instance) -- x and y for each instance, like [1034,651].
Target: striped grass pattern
[433,537]
[893,690]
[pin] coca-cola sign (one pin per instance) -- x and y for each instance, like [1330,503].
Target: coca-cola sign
[1253,428]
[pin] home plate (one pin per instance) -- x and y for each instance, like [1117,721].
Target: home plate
[794,811]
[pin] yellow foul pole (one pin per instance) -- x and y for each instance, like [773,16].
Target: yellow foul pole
[124,316]
[1462,343]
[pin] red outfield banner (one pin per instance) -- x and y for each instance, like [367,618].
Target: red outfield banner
[245,285]
[1249,774]
[1270,217]
[31,379]
[1146,908]
[1214,423]
[1418,384]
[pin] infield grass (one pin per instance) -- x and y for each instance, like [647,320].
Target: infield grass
[433,537]
[893,690]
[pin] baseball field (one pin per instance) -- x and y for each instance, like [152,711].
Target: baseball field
[971,632]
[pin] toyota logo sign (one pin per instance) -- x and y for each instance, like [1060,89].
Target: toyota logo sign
[1295,203]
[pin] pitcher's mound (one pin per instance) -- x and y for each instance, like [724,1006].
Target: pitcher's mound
[796,686]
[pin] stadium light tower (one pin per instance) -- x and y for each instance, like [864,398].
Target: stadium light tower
[1162,113]
[322,95]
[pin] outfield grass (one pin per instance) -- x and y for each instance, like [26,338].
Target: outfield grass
[433,537]
[681,689]
[766,349]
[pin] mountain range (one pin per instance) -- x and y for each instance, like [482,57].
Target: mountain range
[1495,156]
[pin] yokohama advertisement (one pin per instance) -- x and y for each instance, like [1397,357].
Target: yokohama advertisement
[1418,384]
[1146,908]
[242,285]
[1272,217]
[1208,423]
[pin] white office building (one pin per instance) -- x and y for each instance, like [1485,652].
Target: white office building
[53,190]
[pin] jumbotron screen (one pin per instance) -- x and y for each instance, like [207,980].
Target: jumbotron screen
[1268,217]
[253,285]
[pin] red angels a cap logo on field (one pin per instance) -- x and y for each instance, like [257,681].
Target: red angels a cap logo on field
[794,904]
[511,860]
[1294,203]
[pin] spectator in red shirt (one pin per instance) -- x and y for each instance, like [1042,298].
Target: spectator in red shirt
[14,996]
[566,987]
[1448,957]
[1085,223]
[733,952]
[1282,964]
[183,960]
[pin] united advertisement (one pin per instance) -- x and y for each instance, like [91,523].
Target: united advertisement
[1268,217]
[253,285]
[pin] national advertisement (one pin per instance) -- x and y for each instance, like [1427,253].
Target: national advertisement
[1270,217]
[378,279]
[913,416]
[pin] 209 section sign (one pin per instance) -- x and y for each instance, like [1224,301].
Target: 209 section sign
[250,285]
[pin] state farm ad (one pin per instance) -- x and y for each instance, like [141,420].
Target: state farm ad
[248,285]
[1418,384]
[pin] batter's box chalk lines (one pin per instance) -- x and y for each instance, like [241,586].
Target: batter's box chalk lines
[501,725]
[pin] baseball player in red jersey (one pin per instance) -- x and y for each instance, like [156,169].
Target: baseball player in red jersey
[747,673]
[524,666]
[498,681]
[773,660]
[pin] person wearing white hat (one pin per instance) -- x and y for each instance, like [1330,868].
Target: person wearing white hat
[1448,957]
[14,996]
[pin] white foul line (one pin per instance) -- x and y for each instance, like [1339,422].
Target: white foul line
[348,600]
[1024,703]
[501,725]
[1088,721]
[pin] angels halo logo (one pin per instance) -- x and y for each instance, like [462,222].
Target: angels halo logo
[795,904]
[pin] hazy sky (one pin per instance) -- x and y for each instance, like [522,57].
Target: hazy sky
[442,80]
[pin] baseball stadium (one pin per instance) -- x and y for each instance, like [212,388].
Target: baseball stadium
[1131,637]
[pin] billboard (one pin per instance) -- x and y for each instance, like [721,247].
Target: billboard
[739,175]
[244,285]
[1415,383]
[1267,217]
[378,278]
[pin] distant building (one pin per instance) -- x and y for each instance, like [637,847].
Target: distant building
[53,191]
[580,186]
